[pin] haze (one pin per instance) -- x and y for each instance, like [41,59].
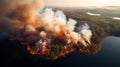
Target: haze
[81,3]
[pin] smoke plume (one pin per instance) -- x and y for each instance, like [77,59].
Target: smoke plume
[27,21]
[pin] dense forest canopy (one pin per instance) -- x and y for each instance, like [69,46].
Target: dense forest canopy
[100,22]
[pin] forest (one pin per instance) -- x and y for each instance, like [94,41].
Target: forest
[101,26]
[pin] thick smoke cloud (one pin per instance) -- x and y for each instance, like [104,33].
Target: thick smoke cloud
[7,5]
[27,21]
[19,13]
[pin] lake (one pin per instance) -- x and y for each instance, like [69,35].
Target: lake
[108,56]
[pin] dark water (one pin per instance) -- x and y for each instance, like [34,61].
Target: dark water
[108,56]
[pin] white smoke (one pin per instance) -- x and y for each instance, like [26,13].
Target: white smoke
[29,28]
[85,32]
[43,34]
[45,25]
[55,22]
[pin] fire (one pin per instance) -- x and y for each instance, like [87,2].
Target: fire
[45,31]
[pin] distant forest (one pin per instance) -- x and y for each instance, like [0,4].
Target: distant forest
[101,26]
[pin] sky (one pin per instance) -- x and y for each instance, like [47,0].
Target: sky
[81,3]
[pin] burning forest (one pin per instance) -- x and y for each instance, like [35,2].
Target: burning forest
[44,31]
